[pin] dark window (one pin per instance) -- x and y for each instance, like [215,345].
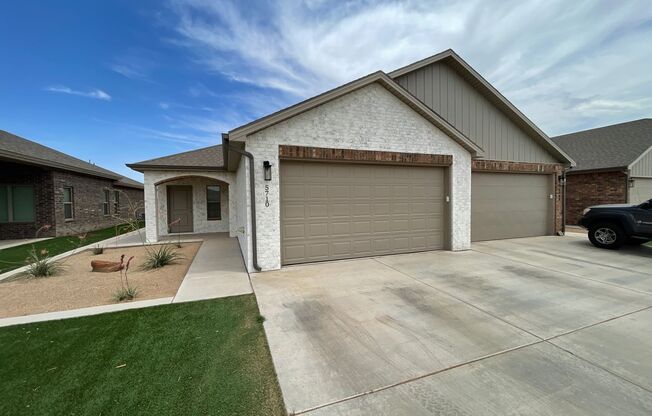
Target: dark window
[105,203]
[16,203]
[213,204]
[68,203]
[116,202]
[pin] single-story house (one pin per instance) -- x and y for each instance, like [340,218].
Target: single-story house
[614,166]
[41,186]
[427,157]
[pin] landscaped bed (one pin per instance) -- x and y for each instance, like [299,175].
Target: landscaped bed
[14,257]
[75,286]
[197,358]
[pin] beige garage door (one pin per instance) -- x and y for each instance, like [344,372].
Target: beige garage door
[507,205]
[641,191]
[340,210]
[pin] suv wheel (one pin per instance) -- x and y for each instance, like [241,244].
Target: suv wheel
[606,235]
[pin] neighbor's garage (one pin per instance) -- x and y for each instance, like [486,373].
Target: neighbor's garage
[640,191]
[508,205]
[341,210]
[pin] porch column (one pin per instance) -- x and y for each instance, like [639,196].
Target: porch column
[151,217]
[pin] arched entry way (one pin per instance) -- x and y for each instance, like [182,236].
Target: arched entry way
[187,202]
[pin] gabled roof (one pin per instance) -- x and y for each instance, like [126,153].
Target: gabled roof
[207,158]
[610,147]
[378,77]
[16,148]
[492,94]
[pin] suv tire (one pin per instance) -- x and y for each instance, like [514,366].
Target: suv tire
[607,235]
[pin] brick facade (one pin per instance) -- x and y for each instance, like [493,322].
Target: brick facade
[88,195]
[593,188]
[365,156]
[371,120]
[531,168]
[48,201]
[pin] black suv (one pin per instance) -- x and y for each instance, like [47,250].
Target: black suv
[611,226]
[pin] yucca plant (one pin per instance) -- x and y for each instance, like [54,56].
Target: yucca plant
[163,256]
[40,264]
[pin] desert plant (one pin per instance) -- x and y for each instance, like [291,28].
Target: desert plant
[162,256]
[98,250]
[125,293]
[40,264]
[177,221]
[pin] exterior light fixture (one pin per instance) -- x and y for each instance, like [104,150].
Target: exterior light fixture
[631,182]
[267,167]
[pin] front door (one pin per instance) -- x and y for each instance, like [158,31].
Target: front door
[180,208]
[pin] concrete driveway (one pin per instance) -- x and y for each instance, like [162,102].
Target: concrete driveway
[546,325]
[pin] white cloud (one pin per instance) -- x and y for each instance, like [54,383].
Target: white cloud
[94,93]
[567,65]
[128,71]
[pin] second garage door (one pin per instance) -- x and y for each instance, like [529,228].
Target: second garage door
[338,210]
[641,191]
[505,205]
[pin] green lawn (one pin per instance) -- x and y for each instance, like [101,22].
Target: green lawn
[14,257]
[199,358]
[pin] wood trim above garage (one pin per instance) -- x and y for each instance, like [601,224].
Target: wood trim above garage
[362,156]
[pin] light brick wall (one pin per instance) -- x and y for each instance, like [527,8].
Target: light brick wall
[199,209]
[156,218]
[370,119]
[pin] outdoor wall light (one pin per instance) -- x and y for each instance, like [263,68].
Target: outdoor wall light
[631,182]
[267,167]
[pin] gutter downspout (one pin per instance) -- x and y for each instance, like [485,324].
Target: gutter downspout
[252,186]
[563,200]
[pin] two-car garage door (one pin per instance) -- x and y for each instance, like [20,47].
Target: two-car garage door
[510,205]
[343,210]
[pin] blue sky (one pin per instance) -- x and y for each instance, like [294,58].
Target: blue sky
[121,81]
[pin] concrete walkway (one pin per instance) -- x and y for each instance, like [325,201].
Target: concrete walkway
[218,270]
[13,243]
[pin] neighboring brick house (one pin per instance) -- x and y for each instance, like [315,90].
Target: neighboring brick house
[39,186]
[614,166]
[427,157]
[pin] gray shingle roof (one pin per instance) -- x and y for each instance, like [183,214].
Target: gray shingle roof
[23,150]
[17,148]
[211,158]
[129,183]
[615,146]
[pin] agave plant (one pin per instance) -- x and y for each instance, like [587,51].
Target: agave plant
[160,257]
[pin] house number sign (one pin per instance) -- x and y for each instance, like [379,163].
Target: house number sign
[267,195]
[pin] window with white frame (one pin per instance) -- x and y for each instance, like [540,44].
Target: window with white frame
[116,202]
[68,203]
[106,202]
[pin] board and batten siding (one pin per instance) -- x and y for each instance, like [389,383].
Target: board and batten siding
[441,88]
[643,166]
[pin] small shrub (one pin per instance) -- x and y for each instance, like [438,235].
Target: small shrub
[260,319]
[41,265]
[98,250]
[125,293]
[160,257]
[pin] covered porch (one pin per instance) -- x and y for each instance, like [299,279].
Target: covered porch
[188,203]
